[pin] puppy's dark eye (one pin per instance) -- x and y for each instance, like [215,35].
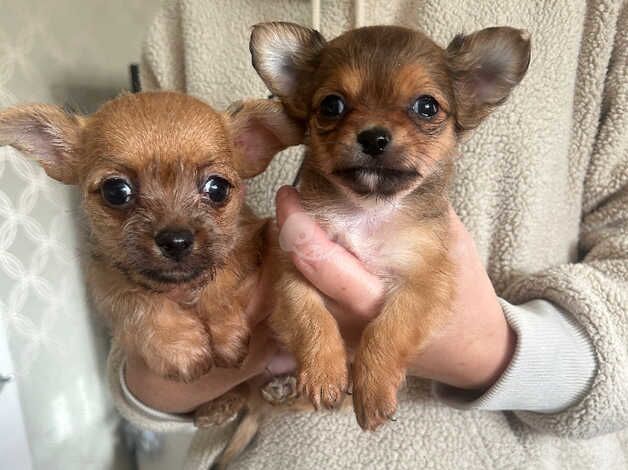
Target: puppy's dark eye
[332,106]
[116,192]
[425,106]
[216,189]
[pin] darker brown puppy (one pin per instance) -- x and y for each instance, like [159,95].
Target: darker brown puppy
[384,109]
[161,177]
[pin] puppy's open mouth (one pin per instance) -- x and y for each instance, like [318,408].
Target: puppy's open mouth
[376,180]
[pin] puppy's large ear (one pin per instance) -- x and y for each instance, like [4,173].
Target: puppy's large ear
[486,66]
[45,133]
[260,129]
[285,55]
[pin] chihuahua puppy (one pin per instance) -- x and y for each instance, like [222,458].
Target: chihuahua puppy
[173,248]
[384,108]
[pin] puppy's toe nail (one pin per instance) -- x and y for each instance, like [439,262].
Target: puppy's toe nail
[316,400]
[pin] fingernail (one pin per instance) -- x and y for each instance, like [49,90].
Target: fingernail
[296,230]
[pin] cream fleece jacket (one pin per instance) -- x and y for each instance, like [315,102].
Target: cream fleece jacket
[543,188]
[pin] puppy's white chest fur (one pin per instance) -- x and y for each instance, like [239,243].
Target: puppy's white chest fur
[373,235]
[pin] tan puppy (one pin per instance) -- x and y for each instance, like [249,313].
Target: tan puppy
[161,176]
[384,109]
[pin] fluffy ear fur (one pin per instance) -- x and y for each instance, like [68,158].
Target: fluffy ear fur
[486,66]
[284,55]
[260,129]
[46,133]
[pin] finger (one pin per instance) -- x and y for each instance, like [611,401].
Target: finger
[328,266]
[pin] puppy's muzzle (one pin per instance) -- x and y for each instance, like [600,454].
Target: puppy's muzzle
[175,244]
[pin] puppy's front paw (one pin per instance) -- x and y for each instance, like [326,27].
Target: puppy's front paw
[374,397]
[230,335]
[325,382]
[182,361]
[220,410]
[230,350]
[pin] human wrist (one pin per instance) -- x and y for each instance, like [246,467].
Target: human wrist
[467,354]
[493,359]
[171,396]
[155,391]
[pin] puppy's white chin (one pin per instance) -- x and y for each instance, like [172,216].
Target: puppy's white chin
[369,179]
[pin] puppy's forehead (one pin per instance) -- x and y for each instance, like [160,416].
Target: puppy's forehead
[382,62]
[135,130]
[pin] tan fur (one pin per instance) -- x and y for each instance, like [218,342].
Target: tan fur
[223,408]
[316,342]
[182,317]
[398,228]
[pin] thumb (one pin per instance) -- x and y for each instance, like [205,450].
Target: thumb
[328,266]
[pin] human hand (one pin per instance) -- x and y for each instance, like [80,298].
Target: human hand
[472,349]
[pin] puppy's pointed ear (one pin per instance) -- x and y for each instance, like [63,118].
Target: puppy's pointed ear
[45,133]
[285,55]
[486,66]
[260,129]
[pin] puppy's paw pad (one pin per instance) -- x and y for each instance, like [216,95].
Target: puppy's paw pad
[281,390]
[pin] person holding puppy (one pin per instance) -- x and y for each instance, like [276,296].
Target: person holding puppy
[533,363]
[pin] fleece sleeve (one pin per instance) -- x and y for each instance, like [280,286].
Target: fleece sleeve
[594,291]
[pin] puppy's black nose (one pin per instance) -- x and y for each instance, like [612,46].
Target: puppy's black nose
[374,140]
[175,244]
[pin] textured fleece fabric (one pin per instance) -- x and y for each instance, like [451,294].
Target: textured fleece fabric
[542,186]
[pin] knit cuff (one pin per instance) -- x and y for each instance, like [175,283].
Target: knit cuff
[145,410]
[134,410]
[551,369]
